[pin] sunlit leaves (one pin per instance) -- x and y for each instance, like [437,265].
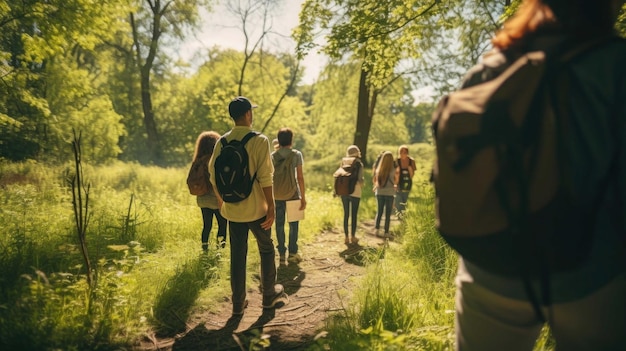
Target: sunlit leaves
[380,33]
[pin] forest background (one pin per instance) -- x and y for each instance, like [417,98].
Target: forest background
[105,69]
[98,85]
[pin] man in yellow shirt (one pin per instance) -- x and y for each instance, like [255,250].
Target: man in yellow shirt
[255,213]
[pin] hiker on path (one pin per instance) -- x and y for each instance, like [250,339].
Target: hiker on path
[289,186]
[405,169]
[585,306]
[351,202]
[208,202]
[255,213]
[385,180]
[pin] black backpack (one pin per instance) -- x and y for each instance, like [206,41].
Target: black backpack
[405,182]
[232,171]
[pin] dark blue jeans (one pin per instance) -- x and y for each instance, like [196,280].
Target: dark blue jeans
[385,202]
[239,256]
[350,210]
[281,207]
[207,218]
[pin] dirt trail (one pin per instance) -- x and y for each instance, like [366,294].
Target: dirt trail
[317,286]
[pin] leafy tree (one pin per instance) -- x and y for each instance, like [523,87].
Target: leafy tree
[192,104]
[153,22]
[256,20]
[38,40]
[378,34]
[331,117]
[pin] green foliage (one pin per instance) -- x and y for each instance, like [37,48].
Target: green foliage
[406,300]
[175,299]
[37,38]
[151,274]
[144,240]
[378,34]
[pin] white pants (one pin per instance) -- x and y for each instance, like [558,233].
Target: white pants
[487,321]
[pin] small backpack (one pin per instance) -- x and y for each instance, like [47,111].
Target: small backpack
[232,171]
[198,177]
[405,183]
[501,183]
[285,185]
[346,176]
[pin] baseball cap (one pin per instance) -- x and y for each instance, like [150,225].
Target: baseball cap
[239,106]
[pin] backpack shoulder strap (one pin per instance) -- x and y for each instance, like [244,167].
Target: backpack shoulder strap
[223,141]
[249,136]
[294,154]
[276,156]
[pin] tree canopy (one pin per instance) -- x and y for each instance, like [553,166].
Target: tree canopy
[105,69]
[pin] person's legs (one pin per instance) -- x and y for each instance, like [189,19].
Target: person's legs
[293,237]
[596,322]
[401,199]
[388,204]
[486,321]
[266,250]
[355,210]
[280,226]
[221,226]
[345,201]
[238,260]
[380,201]
[207,224]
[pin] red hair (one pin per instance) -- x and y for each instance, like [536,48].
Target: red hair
[578,18]
[531,15]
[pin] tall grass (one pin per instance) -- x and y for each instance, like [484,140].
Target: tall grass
[143,239]
[406,299]
[151,274]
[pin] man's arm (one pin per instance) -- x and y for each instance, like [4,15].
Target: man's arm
[265,175]
[268,191]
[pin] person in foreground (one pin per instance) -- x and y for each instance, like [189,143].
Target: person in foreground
[585,308]
[255,213]
[208,202]
[287,186]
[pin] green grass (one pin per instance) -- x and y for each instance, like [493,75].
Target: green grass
[151,275]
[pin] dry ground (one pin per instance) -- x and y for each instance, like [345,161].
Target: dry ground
[317,286]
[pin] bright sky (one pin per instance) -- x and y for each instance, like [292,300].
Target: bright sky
[219,28]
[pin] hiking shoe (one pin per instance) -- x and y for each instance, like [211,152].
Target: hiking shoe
[295,258]
[221,243]
[278,299]
[355,241]
[205,247]
[347,241]
[282,259]
[239,308]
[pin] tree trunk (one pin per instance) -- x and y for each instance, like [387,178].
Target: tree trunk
[154,145]
[364,116]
